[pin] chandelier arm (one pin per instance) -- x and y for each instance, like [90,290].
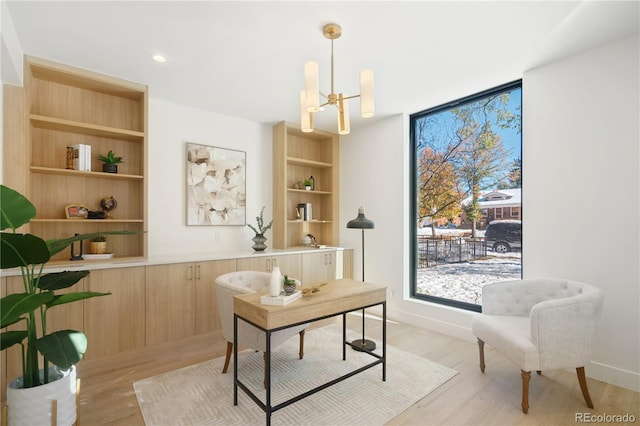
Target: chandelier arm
[323,95]
[350,97]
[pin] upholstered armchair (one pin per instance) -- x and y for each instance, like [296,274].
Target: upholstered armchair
[540,324]
[240,282]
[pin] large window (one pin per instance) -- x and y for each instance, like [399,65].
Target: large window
[467,196]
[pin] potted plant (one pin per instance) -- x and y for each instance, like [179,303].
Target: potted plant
[307,184]
[98,245]
[110,162]
[289,285]
[259,238]
[28,400]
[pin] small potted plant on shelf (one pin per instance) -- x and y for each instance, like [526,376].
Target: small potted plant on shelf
[52,375]
[307,184]
[110,162]
[98,244]
[259,238]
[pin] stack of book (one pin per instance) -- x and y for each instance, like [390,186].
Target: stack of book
[280,300]
[81,157]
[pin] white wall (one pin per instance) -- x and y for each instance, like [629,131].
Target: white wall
[170,127]
[580,155]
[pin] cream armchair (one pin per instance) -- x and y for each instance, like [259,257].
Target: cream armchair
[540,324]
[240,282]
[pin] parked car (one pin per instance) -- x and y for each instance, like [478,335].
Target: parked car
[504,236]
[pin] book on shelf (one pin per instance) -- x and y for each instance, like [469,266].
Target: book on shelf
[81,157]
[280,300]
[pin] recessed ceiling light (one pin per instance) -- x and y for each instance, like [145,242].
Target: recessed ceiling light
[159,59]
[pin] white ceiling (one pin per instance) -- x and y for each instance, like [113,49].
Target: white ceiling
[245,59]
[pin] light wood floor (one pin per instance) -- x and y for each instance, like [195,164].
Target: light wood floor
[470,398]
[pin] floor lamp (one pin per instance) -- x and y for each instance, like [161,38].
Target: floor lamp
[361,222]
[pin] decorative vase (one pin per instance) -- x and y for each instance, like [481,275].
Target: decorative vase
[110,168]
[289,287]
[97,247]
[274,285]
[32,406]
[259,240]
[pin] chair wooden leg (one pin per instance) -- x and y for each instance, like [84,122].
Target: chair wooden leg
[481,349]
[583,386]
[301,353]
[526,376]
[228,358]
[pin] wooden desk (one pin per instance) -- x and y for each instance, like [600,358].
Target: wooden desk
[338,297]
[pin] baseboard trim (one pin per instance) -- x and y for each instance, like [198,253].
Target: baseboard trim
[613,375]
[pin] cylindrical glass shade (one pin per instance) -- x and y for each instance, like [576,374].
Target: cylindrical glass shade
[344,127]
[367,103]
[311,86]
[306,118]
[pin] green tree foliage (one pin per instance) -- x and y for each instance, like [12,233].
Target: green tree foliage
[461,155]
[439,196]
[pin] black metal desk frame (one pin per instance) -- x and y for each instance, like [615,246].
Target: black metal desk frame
[266,406]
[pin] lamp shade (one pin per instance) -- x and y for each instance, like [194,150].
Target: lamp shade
[367,104]
[306,118]
[312,96]
[361,222]
[344,127]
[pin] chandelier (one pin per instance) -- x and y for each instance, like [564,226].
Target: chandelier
[310,96]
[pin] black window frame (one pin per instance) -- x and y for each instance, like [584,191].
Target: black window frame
[507,87]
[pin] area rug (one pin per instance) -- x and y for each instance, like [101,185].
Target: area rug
[201,395]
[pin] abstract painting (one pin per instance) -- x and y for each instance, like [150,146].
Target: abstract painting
[216,185]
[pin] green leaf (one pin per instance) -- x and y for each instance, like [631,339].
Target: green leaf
[74,297]
[13,306]
[15,209]
[59,280]
[63,348]
[10,338]
[22,250]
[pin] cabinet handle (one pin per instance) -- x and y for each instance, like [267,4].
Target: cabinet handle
[198,272]
[274,262]
[268,265]
[190,273]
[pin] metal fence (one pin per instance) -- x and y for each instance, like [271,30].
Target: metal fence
[434,251]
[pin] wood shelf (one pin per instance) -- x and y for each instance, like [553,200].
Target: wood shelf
[296,157]
[304,191]
[78,173]
[64,106]
[70,126]
[309,163]
[86,221]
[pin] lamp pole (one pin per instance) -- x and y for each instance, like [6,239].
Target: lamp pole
[362,223]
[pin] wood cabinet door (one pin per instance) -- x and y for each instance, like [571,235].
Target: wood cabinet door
[262,263]
[318,267]
[290,264]
[115,323]
[170,302]
[207,314]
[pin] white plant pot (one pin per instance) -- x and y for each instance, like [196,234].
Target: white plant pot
[32,406]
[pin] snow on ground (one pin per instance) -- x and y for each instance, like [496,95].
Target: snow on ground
[464,281]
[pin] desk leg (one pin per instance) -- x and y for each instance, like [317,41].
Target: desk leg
[235,360]
[384,341]
[267,372]
[344,337]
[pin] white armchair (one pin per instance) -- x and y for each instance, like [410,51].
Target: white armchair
[240,282]
[540,324]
